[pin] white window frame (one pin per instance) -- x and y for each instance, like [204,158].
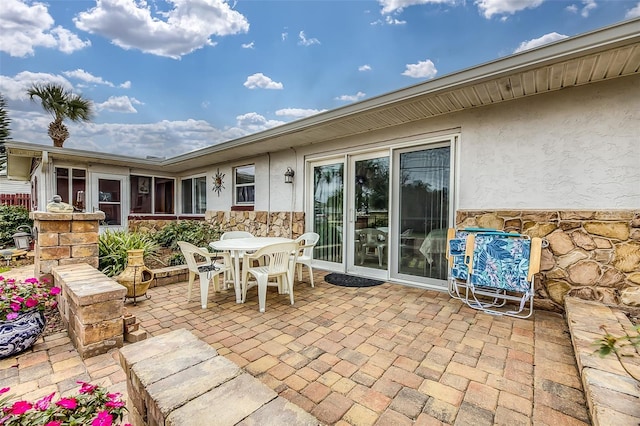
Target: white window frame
[237,185]
[193,189]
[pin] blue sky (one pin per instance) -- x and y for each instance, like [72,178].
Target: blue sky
[168,77]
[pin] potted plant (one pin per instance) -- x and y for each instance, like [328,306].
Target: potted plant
[22,307]
[93,405]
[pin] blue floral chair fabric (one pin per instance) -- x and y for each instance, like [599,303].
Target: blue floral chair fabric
[501,269]
[501,262]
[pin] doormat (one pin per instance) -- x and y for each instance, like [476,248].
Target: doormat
[350,280]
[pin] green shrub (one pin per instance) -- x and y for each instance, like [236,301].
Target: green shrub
[113,246]
[10,218]
[196,232]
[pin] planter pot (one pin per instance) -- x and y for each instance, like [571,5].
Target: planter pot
[20,333]
[136,277]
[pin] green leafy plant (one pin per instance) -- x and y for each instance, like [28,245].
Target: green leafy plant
[113,246]
[196,232]
[93,405]
[621,346]
[10,218]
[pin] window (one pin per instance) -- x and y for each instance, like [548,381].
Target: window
[244,184]
[194,195]
[71,186]
[152,195]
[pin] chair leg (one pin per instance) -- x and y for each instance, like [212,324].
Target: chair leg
[192,277]
[310,274]
[262,292]
[299,268]
[204,289]
[289,279]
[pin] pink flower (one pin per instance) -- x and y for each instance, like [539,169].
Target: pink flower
[68,403]
[55,290]
[14,306]
[4,390]
[114,404]
[43,404]
[12,316]
[31,280]
[87,387]
[20,407]
[54,423]
[31,302]
[103,419]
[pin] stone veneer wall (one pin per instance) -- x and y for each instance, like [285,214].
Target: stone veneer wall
[593,255]
[278,225]
[65,239]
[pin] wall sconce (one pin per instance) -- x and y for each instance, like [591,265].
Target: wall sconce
[288,175]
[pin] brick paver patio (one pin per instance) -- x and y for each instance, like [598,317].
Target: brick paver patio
[385,355]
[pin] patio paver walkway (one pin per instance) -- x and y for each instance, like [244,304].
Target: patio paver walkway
[385,355]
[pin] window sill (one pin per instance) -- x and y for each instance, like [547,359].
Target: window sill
[242,208]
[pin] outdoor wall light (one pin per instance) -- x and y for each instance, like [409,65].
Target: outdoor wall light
[288,175]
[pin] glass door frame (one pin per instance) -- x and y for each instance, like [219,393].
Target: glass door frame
[310,207]
[394,215]
[352,266]
[124,198]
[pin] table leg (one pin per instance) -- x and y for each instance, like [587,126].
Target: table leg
[237,278]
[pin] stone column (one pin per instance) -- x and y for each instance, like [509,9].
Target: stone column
[64,239]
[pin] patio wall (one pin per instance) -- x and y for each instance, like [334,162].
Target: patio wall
[259,223]
[592,254]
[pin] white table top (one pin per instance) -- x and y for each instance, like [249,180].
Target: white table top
[247,244]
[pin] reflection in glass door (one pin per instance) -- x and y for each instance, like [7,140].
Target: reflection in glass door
[424,202]
[370,218]
[328,218]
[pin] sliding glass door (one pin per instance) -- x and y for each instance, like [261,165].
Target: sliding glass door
[384,214]
[328,205]
[423,212]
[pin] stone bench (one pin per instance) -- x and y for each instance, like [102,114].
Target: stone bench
[177,379]
[613,397]
[91,306]
[169,275]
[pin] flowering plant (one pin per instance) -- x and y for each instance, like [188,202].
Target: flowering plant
[18,297]
[93,405]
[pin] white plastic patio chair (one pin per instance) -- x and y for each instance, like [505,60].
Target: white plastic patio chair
[373,242]
[307,242]
[280,260]
[206,270]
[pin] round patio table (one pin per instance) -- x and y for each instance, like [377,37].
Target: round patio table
[239,245]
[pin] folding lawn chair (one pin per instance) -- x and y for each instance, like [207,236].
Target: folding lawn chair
[459,271]
[501,267]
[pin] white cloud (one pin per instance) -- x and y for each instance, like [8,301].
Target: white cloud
[502,7]
[123,104]
[572,8]
[248,45]
[589,5]
[304,41]
[365,67]
[298,112]
[391,6]
[634,12]
[254,122]
[25,27]
[125,85]
[15,88]
[545,39]
[284,36]
[180,31]
[351,98]
[82,75]
[261,81]
[423,69]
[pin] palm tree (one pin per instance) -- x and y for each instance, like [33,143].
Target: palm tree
[61,104]
[5,132]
